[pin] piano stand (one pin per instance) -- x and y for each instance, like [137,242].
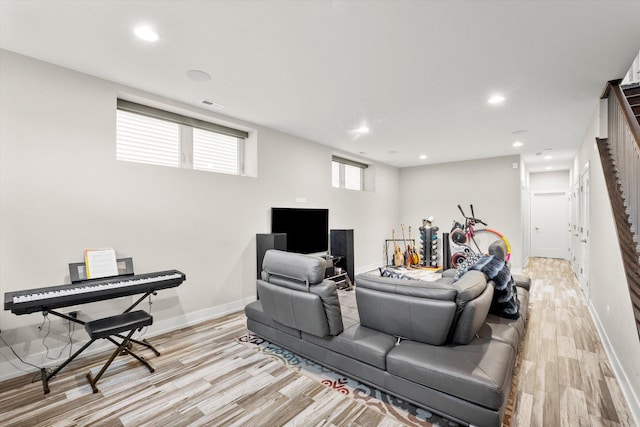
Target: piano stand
[112,326]
[46,300]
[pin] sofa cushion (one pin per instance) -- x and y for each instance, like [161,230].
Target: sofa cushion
[328,293]
[304,268]
[360,343]
[479,372]
[255,312]
[412,309]
[295,309]
[469,287]
[409,287]
[501,332]
[472,318]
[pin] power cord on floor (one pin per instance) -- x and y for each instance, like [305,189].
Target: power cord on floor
[42,370]
[16,354]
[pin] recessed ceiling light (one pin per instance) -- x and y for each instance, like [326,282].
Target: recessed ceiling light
[496,99]
[518,144]
[362,130]
[548,157]
[146,34]
[423,157]
[198,76]
[548,168]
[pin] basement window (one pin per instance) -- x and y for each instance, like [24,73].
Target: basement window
[153,136]
[347,174]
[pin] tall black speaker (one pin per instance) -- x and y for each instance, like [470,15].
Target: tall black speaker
[264,242]
[342,246]
[446,252]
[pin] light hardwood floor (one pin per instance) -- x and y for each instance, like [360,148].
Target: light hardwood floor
[204,377]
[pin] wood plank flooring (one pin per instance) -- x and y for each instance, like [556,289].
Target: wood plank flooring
[565,377]
[205,378]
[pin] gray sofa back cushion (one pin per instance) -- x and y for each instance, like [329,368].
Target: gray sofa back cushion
[412,309]
[410,287]
[473,316]
[469,287]
[295,309]
[328,294]
[294,272]
[305,268]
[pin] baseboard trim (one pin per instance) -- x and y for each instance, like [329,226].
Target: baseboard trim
[367,269]
[632,399]
[9,368]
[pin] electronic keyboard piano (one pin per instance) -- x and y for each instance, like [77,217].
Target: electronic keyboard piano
[49,298]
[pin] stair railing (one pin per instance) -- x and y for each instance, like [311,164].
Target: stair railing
[620,156]
[633,75]
[624,143]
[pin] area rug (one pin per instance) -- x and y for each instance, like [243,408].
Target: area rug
[390,406]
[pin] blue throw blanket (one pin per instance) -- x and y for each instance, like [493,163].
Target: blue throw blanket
[505,296]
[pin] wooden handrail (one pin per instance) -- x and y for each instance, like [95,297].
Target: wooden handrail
[630,118]
[607,87]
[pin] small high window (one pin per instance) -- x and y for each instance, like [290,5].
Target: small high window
[347,174]
[149,135]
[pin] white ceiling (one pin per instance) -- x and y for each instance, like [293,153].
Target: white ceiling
[418,73]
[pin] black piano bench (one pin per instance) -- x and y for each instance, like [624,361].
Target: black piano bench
[110,327]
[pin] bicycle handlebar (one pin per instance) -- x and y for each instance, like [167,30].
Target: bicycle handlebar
[472,217]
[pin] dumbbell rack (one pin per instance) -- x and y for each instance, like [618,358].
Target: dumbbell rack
[429,243]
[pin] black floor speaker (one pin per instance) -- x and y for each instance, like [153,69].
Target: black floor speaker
[264,242]
[446,252]
[342,246]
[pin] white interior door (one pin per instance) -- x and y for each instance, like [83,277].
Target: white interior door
[575,209]
[550,224]
[583,232]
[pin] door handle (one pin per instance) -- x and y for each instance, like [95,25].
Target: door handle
[584,240]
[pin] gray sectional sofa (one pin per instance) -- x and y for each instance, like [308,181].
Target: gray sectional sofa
[430,343]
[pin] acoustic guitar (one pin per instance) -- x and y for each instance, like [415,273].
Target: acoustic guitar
[408,256]
[398,258]
[416,255]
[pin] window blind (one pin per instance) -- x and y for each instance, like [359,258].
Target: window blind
[335,174]
[352,177]
[215,152]
[144,139]
[346,173]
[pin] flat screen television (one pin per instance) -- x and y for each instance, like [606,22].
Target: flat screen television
[307,229]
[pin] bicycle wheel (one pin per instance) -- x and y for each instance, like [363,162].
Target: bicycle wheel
[482,239]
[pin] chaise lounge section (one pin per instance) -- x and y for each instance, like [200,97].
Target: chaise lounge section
[433,344]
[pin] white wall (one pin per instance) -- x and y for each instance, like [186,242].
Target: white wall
[550,181]
[609,299]
[491,185]
[62,190]
[525,206]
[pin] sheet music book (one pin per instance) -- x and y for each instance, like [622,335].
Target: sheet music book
[100,263]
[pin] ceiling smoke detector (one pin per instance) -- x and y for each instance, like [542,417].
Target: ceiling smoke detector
[198,76]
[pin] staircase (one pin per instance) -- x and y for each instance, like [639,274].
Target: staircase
[632,93]
[620,156]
